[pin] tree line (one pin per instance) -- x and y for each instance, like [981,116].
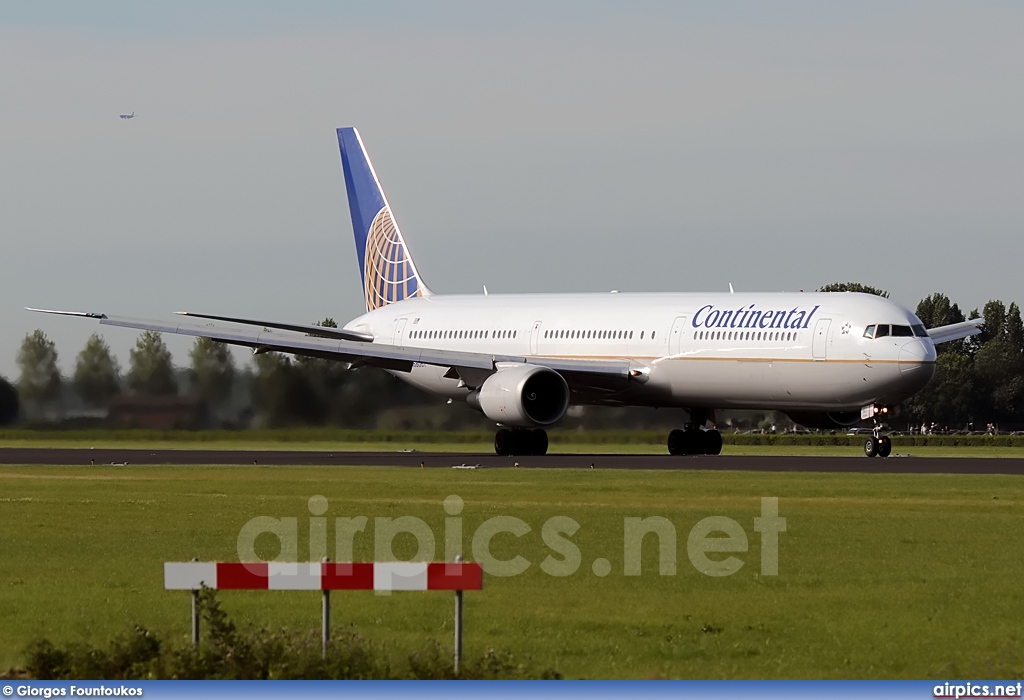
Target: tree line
[275,390]
[979,380]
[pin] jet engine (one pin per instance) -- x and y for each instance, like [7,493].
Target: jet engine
[824,420]
[524,396]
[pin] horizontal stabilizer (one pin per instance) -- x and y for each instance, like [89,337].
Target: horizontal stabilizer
[956,331]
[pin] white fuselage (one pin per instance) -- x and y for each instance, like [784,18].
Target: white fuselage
[784,351]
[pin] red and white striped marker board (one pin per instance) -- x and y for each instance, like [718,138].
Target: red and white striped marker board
[318,576]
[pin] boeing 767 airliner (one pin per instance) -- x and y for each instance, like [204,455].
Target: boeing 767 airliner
[827,360]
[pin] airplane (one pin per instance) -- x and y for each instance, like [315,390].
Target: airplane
[128,116]
[827,360]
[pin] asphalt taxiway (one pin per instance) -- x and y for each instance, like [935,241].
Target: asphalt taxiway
[892,465]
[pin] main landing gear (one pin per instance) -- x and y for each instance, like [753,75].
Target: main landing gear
[692,440]
[878,445]
[520,442]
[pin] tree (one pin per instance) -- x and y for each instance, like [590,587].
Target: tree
[1014,328]
[40,378]
[97,375]
[937,310]
[213,370]
[151,370]
[999,369]
[283,394]
[854,287]
[951,398]
[994,314]
[9,404]
[326,323]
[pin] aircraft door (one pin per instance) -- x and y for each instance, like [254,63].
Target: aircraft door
[399,337]
[819,343]
[535,337]
[675,337]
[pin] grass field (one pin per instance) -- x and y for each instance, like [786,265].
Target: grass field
[879,575]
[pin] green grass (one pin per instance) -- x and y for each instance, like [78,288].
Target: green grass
[879,575]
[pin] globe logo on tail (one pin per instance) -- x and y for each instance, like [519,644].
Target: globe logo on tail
[389,272]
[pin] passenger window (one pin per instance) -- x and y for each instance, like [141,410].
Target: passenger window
[883,331]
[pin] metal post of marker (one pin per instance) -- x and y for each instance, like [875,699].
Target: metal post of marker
[195,615]
[326,621]
[458,623]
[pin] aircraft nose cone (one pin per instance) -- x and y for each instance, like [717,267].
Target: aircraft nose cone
[912,356]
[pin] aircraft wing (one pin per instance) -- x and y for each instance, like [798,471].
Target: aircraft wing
[327,331]
[471,367]
[956,331]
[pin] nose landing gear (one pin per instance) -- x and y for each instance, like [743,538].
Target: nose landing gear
[878,445]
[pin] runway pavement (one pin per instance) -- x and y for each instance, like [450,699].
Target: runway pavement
[433,460]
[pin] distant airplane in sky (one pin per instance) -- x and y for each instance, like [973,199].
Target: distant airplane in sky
[828,360]
[128,116]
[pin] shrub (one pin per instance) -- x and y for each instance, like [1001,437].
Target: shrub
[259,654]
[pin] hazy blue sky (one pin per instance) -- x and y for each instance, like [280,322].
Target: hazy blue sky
[528,146]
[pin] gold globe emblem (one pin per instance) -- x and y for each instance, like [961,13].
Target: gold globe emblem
[388,270]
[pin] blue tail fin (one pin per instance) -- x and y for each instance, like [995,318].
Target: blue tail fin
[387,269]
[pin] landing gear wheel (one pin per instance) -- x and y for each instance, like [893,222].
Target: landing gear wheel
[712,442]
[503,442]
[872,446]
[884,446]
[676,442]
[538,442]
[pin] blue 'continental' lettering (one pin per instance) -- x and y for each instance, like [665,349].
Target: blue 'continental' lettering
[708,316]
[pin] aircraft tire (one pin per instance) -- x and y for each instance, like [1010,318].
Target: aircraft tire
[676,442]
[712,442]
[503,442]
[538,442]
[884,446]
[871,446]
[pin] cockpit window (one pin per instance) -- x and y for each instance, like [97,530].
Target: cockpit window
[869,332]
[902,332]
[882,331]
[920,331]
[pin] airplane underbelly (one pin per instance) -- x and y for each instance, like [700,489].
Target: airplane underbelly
[718,382]
[725,383]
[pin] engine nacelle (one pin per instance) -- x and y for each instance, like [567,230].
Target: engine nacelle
[824,420]
[524,396]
